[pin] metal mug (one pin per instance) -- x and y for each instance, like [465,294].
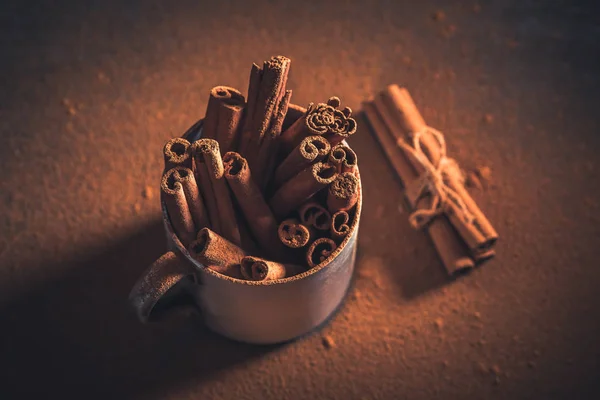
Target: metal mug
[259,312]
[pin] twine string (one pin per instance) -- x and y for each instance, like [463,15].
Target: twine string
[433,180]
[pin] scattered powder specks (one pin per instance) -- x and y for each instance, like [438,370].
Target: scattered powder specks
[328,342]
[148,193]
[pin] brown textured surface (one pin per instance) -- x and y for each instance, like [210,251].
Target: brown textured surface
[512,84]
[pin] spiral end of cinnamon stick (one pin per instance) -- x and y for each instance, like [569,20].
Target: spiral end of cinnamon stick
[344,158]
[199,246]
[343,192]
[344,131]
[324,173]
[279,63]
[255,269]
[217,253]
[327,119]
[319,251]
[337,155]
[258,269]
[234,165]
[321,119]
[293,234]
[208,151]
[339,225]
[314,215]
[313,147]
[176,152]
[228,96]
[171,181]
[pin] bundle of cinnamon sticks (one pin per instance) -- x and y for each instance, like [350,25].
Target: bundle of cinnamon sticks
[264,193]
[434,188]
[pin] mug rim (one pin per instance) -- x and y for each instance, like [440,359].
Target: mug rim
[196,130]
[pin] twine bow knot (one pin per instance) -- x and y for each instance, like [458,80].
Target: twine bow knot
[433,180]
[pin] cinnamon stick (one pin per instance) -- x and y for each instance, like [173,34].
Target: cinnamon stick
[343,192]
[209,169]
[293,234]
[339,227]
[258,269]
[192,194]
[312,149]
[342,128]
[267,96]
[253,88]
[479,235]
[261,221]
[269,147]
[301,187]
[452,251]
[314,215]
[217,253]
[173,195]
[272,90]
[176,153]
[325,120]
[224,116]
[319,251]
[344,158]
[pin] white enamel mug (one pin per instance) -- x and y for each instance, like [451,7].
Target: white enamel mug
[259,312]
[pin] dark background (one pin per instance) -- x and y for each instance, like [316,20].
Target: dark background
[90,91]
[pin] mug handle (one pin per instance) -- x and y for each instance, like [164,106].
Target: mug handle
[160,277]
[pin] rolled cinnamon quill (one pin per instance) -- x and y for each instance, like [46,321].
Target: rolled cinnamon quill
[259,217]
[271,91]
[217,253]
[209,169]
[173,195]
[319,251]
[192,194]
[176,153]
[342,194]
[312,149]
[322,120]
[224,116]
[451,249]
[314,215]
[265,92]
[267,153]
[339,227]
[253,88]
[293,234]
[301,187]
[258,269]
[478,235]
[342,128]
[344,158]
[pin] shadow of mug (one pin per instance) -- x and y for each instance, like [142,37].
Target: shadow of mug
[258,312]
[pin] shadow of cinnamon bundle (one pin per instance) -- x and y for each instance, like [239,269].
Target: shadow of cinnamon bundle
[252,200]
